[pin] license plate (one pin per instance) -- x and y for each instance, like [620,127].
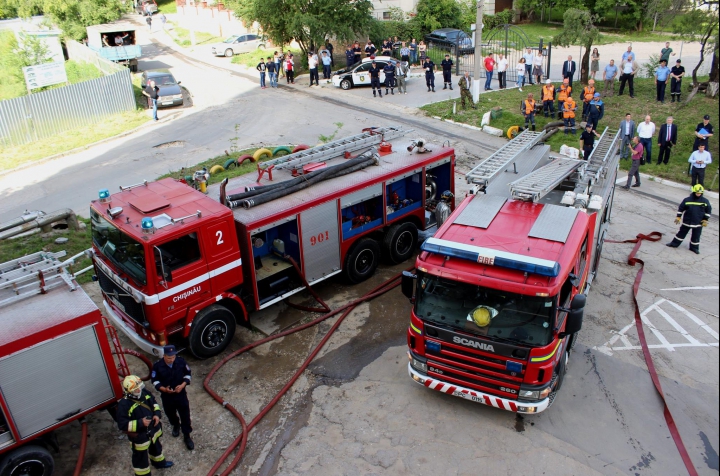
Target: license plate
[117,303]
[167,103]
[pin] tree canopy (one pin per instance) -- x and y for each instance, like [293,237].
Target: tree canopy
[434,14]
[579,29]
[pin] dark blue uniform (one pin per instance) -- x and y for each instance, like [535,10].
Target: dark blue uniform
[375,78]
[447,65]
[175,404]
[144,440]
[389,71]
[429,68]
[350,57]
[596,112]
[694,211]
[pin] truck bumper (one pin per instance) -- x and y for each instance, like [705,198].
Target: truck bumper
[477,396]
[118,322]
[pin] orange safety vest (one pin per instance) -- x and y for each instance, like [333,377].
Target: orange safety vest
[548,93]
[564,92]
[588,93]
[568,107]
[529,106]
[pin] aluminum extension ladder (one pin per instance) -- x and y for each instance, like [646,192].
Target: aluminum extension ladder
[487,170]
[602,154]
[335,148]
[544,180]
[34,274]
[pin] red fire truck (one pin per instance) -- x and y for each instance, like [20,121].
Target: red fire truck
[55,360]
[175,264]
[500,289]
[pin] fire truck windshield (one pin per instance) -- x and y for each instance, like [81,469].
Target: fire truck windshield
[126,253]
[485,312]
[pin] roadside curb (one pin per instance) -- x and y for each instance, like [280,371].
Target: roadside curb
[669,183]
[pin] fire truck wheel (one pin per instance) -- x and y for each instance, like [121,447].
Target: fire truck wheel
[558,378]
[29,460]
[362,261]
[399,243]
[212,331]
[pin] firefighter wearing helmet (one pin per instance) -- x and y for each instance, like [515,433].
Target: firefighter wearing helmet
[443,209]
[138,415]
[694,212]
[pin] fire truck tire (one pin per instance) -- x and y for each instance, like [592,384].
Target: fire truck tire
[362,261]
[212,331]
[262,154]
[558,378]
[400,242]
[31,460]
[282,150]
[598,252]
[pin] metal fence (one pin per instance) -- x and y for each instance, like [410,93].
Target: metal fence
[40,115]
[80,52]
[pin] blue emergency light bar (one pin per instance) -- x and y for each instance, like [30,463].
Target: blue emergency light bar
[490,257]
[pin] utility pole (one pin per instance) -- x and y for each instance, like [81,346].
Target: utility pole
[478,50]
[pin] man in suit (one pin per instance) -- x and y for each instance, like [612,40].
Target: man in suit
[666,140]
[627,132]
[568,70]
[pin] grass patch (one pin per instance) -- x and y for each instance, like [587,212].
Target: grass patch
[77,241]
[537,30]
[182,36]
[686,117]
[12,157]
[166,6]
[12,86]
[252,59]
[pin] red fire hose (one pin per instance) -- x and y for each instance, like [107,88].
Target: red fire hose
[632,261]
[241,441]
[83,445]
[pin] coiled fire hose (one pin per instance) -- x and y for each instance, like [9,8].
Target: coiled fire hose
[241,441]
[632,261]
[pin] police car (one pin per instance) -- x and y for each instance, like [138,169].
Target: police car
[359,73]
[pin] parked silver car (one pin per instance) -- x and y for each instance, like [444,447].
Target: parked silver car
[237,44]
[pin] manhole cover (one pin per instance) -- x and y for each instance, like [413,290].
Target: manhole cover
[166,145]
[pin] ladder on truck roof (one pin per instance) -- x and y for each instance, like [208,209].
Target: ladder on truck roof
[34,274]
[603,154]
[487,170]
[336,148]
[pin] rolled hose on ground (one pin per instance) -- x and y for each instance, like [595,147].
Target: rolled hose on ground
[241,441]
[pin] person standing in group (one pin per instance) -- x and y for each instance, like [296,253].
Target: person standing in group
[313,67]
[662,76]
[327,65]
[153,93]
[489,63]
[703,131]
[587,95]
[290,69]
[528,110]
[627,132]
[694,212]
[170,375]
[386,47]
[404,53]
[148,20]
[370,49]
[676,74]
[529,58]
[278,60]
[568,70]
[329,46]
[667,138]
[520,69]
[272,74]
[698,160]
[429,68]
[375,78]
[357,51]
[422,51]
[594,62]
[629,68]
[349,56]
[389,71]
[501,65]
[568,112]
[548,99]
[413,52]
[636,153]
[465,84]
[646,131]
[627,54]
[262,68]
[596,111]
[564,92]
[537,68]
[447,65]
[666,53]
[609,75]
[587,141]
[401,72]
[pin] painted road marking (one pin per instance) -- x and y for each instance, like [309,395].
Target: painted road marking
[690,288]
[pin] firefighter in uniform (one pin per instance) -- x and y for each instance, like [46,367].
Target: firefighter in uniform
[563,93]
[548,98]
[442,209]
[694,211]
[138,415]
[389,71]
[596,111]
[465,96]
[588,93]
[447,65]
[528,110]
[429,68]
[170,375]
[569,107]
[375,78]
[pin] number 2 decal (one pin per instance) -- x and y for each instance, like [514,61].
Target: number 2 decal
[219,237]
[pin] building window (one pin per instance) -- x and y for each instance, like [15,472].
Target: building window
[386,15]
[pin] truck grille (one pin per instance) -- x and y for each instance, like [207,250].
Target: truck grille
[119,297]
[472,368]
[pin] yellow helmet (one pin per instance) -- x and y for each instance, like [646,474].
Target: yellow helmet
[482,315]
[698,188]
[132,385]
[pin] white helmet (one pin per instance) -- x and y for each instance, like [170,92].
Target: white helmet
[133,386]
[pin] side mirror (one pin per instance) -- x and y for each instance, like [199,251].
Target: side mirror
[574,320]
[578,302]
[408,284]
[179,82]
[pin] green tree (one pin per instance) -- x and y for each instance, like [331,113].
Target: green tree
[309,22]
[579,29]
[434,14]
[73,16]
[21,51]
[701,24]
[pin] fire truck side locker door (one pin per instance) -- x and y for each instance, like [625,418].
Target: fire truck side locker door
[221,250]
[320,241]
